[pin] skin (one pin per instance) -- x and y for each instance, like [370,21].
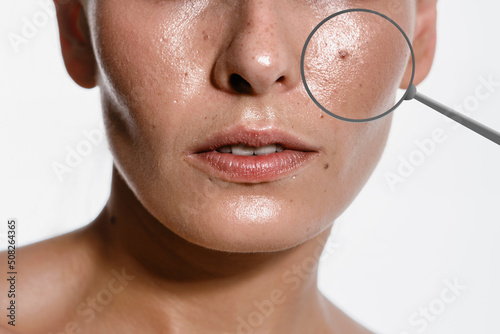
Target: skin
[199,252]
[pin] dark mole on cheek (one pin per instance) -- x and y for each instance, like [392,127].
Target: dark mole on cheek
[112,220]
[343,53]
[326,166]
[321,116]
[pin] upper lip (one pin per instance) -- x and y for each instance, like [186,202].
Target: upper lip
[255,137]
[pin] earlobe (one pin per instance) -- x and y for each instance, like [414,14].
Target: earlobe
[76,44]
[424,42]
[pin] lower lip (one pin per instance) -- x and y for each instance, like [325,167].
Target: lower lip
[251,169]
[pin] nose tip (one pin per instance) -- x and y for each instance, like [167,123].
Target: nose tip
[257,60]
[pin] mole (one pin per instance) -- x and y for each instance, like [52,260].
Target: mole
[326,166]
[343,53]
[112,220]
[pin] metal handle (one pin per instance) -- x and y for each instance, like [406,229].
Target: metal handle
[475,126]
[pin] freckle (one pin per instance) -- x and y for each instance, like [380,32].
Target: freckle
[186,74]
[326,166]
[291,201]
[205,117]
[322,116]
[360,85]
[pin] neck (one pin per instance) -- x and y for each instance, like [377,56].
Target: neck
[177,281]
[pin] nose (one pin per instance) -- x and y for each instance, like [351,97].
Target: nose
[259,56]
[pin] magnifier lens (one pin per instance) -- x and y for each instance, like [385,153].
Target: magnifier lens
[353,63]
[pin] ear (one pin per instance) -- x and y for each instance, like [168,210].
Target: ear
[76,44]
[424,42]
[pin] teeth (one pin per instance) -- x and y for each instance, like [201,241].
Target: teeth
[265,150]
[242,150]
[248,151]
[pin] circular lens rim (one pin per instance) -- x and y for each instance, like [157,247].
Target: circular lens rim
[302,72]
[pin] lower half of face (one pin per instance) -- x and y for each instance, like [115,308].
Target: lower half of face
[175,74]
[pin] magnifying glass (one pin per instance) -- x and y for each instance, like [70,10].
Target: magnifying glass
[348,47]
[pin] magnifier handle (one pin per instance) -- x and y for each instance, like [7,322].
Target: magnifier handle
[475,126]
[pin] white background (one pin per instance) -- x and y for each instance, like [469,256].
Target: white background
[394,249]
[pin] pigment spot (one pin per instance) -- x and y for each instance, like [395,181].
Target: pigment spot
[343,54]
[326,166]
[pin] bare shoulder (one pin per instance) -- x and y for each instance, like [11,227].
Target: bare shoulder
[49,276]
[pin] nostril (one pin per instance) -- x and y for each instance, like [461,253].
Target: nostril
[280,79]
[239,84]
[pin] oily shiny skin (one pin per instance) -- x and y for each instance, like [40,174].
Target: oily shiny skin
[167,74]
[358,52]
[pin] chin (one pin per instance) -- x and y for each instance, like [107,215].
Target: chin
[247,233]
[246,223]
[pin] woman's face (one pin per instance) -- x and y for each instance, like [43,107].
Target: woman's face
[180,79]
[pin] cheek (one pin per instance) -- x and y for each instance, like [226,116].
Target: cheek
[356,151]
[354,64]
[149,58]
[150,73]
